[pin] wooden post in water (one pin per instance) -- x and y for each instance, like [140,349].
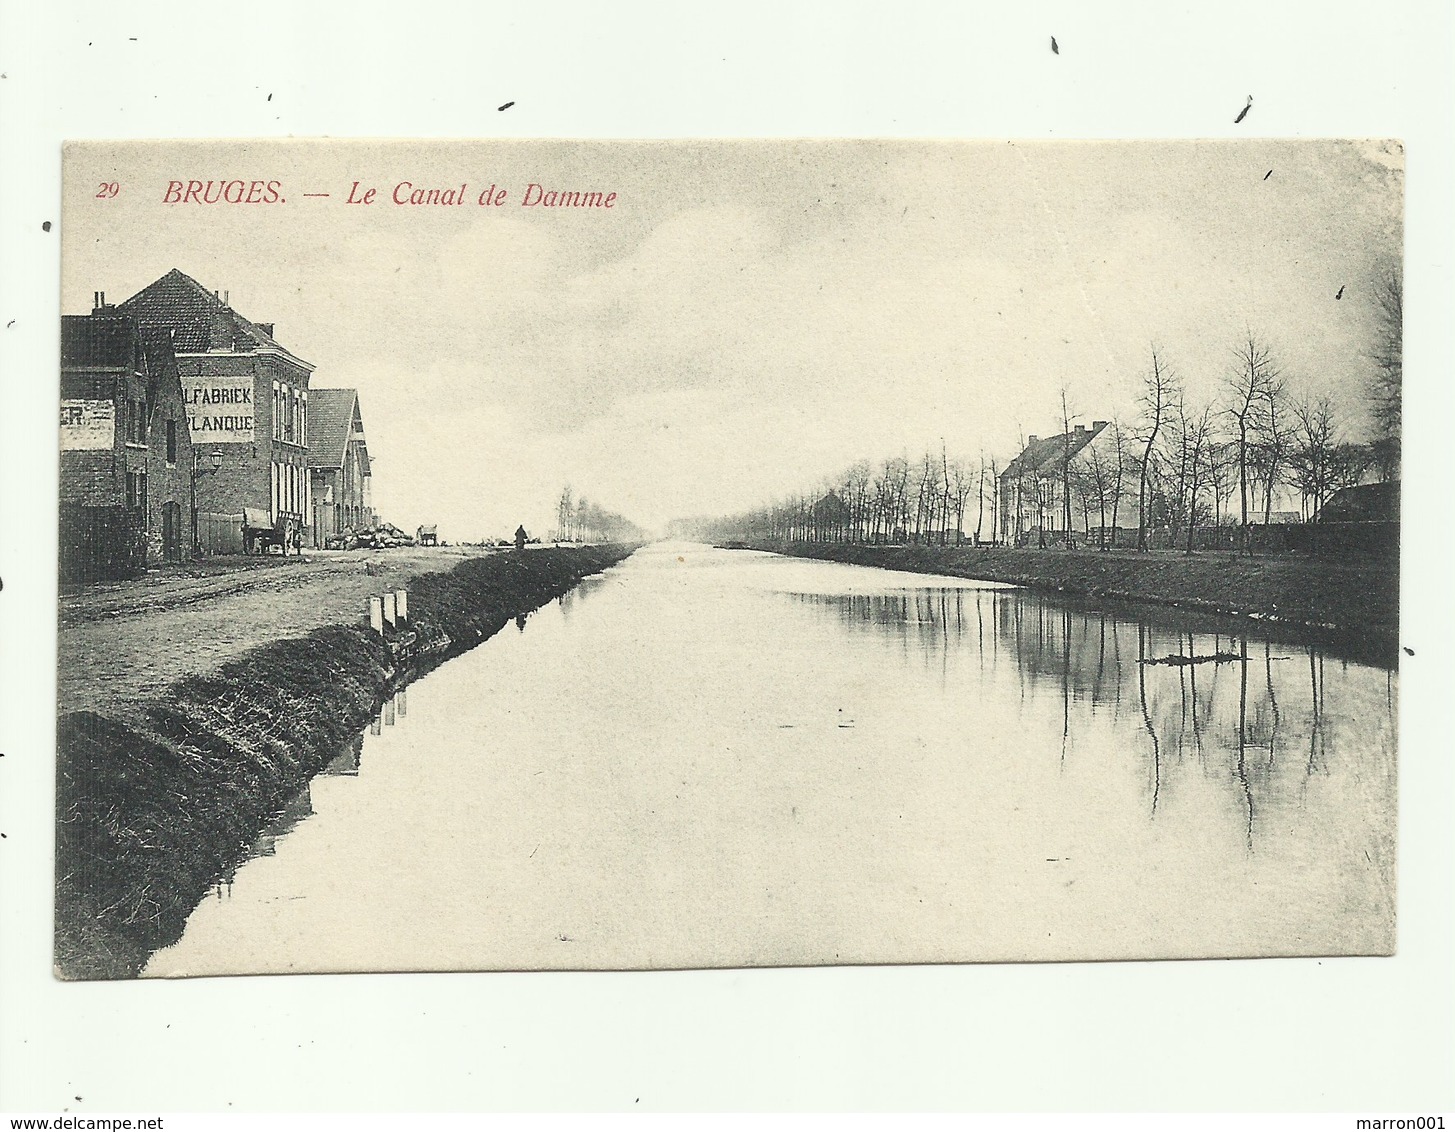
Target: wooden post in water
[376,615]
[389,609]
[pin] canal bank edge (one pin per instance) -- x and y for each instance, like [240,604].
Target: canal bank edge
[1345,599]
[149,817]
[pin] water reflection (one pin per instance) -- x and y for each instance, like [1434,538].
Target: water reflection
[1208,703]
[582,592]
[727,759]
[346,764]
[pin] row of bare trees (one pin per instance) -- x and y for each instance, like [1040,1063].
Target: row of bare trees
[581,520]
[1180,463]
[932,499]
[1248,442]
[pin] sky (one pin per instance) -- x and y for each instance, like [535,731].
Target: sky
[750,317]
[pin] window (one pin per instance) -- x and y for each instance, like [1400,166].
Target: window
[171,442]
[136,425]
[136,490]
[277,418]
[304,433]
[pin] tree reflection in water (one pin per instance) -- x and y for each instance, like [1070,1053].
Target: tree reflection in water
[1226,721]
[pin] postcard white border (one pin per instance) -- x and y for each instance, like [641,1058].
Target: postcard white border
[1263,1035]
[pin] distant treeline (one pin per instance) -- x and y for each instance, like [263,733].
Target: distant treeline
[580,520]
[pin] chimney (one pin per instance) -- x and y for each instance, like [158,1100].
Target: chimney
[265,327]
[98,302]
[1097,426]
[225,296]
[1080,428]
[1031,440]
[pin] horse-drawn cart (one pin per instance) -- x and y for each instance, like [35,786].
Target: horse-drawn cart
[261,532]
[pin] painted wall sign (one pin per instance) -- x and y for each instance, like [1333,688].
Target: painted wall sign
[87,425]
[219,408]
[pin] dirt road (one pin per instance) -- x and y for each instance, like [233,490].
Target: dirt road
[121,644]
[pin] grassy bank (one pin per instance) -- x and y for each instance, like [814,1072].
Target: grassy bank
[154,807]
[1360,597]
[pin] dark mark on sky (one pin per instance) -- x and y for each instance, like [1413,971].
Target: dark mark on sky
[45,226]
[1243,113]
[1268,174]
[507,106]
[270,96]
[1055,47]
[1409,650]
[1340,295]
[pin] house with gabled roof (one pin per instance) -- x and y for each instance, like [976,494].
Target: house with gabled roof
[338,466]
[246,397]
[126,455]
[1032,488]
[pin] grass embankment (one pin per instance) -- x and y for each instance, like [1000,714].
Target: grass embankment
[1359,597]
[152,811]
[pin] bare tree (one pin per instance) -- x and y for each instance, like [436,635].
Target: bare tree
[1318,470]
[962,483]
[980,503]
[1122,461]
[565,513]
[1223,469]
[1182,469]
[1386,393]
[1066,418]
[997,501]
[856,489]
[1249,388]
[1097,483]
[1275,440]
[1159,387]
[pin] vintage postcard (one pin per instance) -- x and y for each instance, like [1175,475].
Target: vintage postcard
[639,555]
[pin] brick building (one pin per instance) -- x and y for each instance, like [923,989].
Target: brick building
[126,454]
[246,397]
[338,462]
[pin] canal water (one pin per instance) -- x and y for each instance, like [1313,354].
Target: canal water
[726,758]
